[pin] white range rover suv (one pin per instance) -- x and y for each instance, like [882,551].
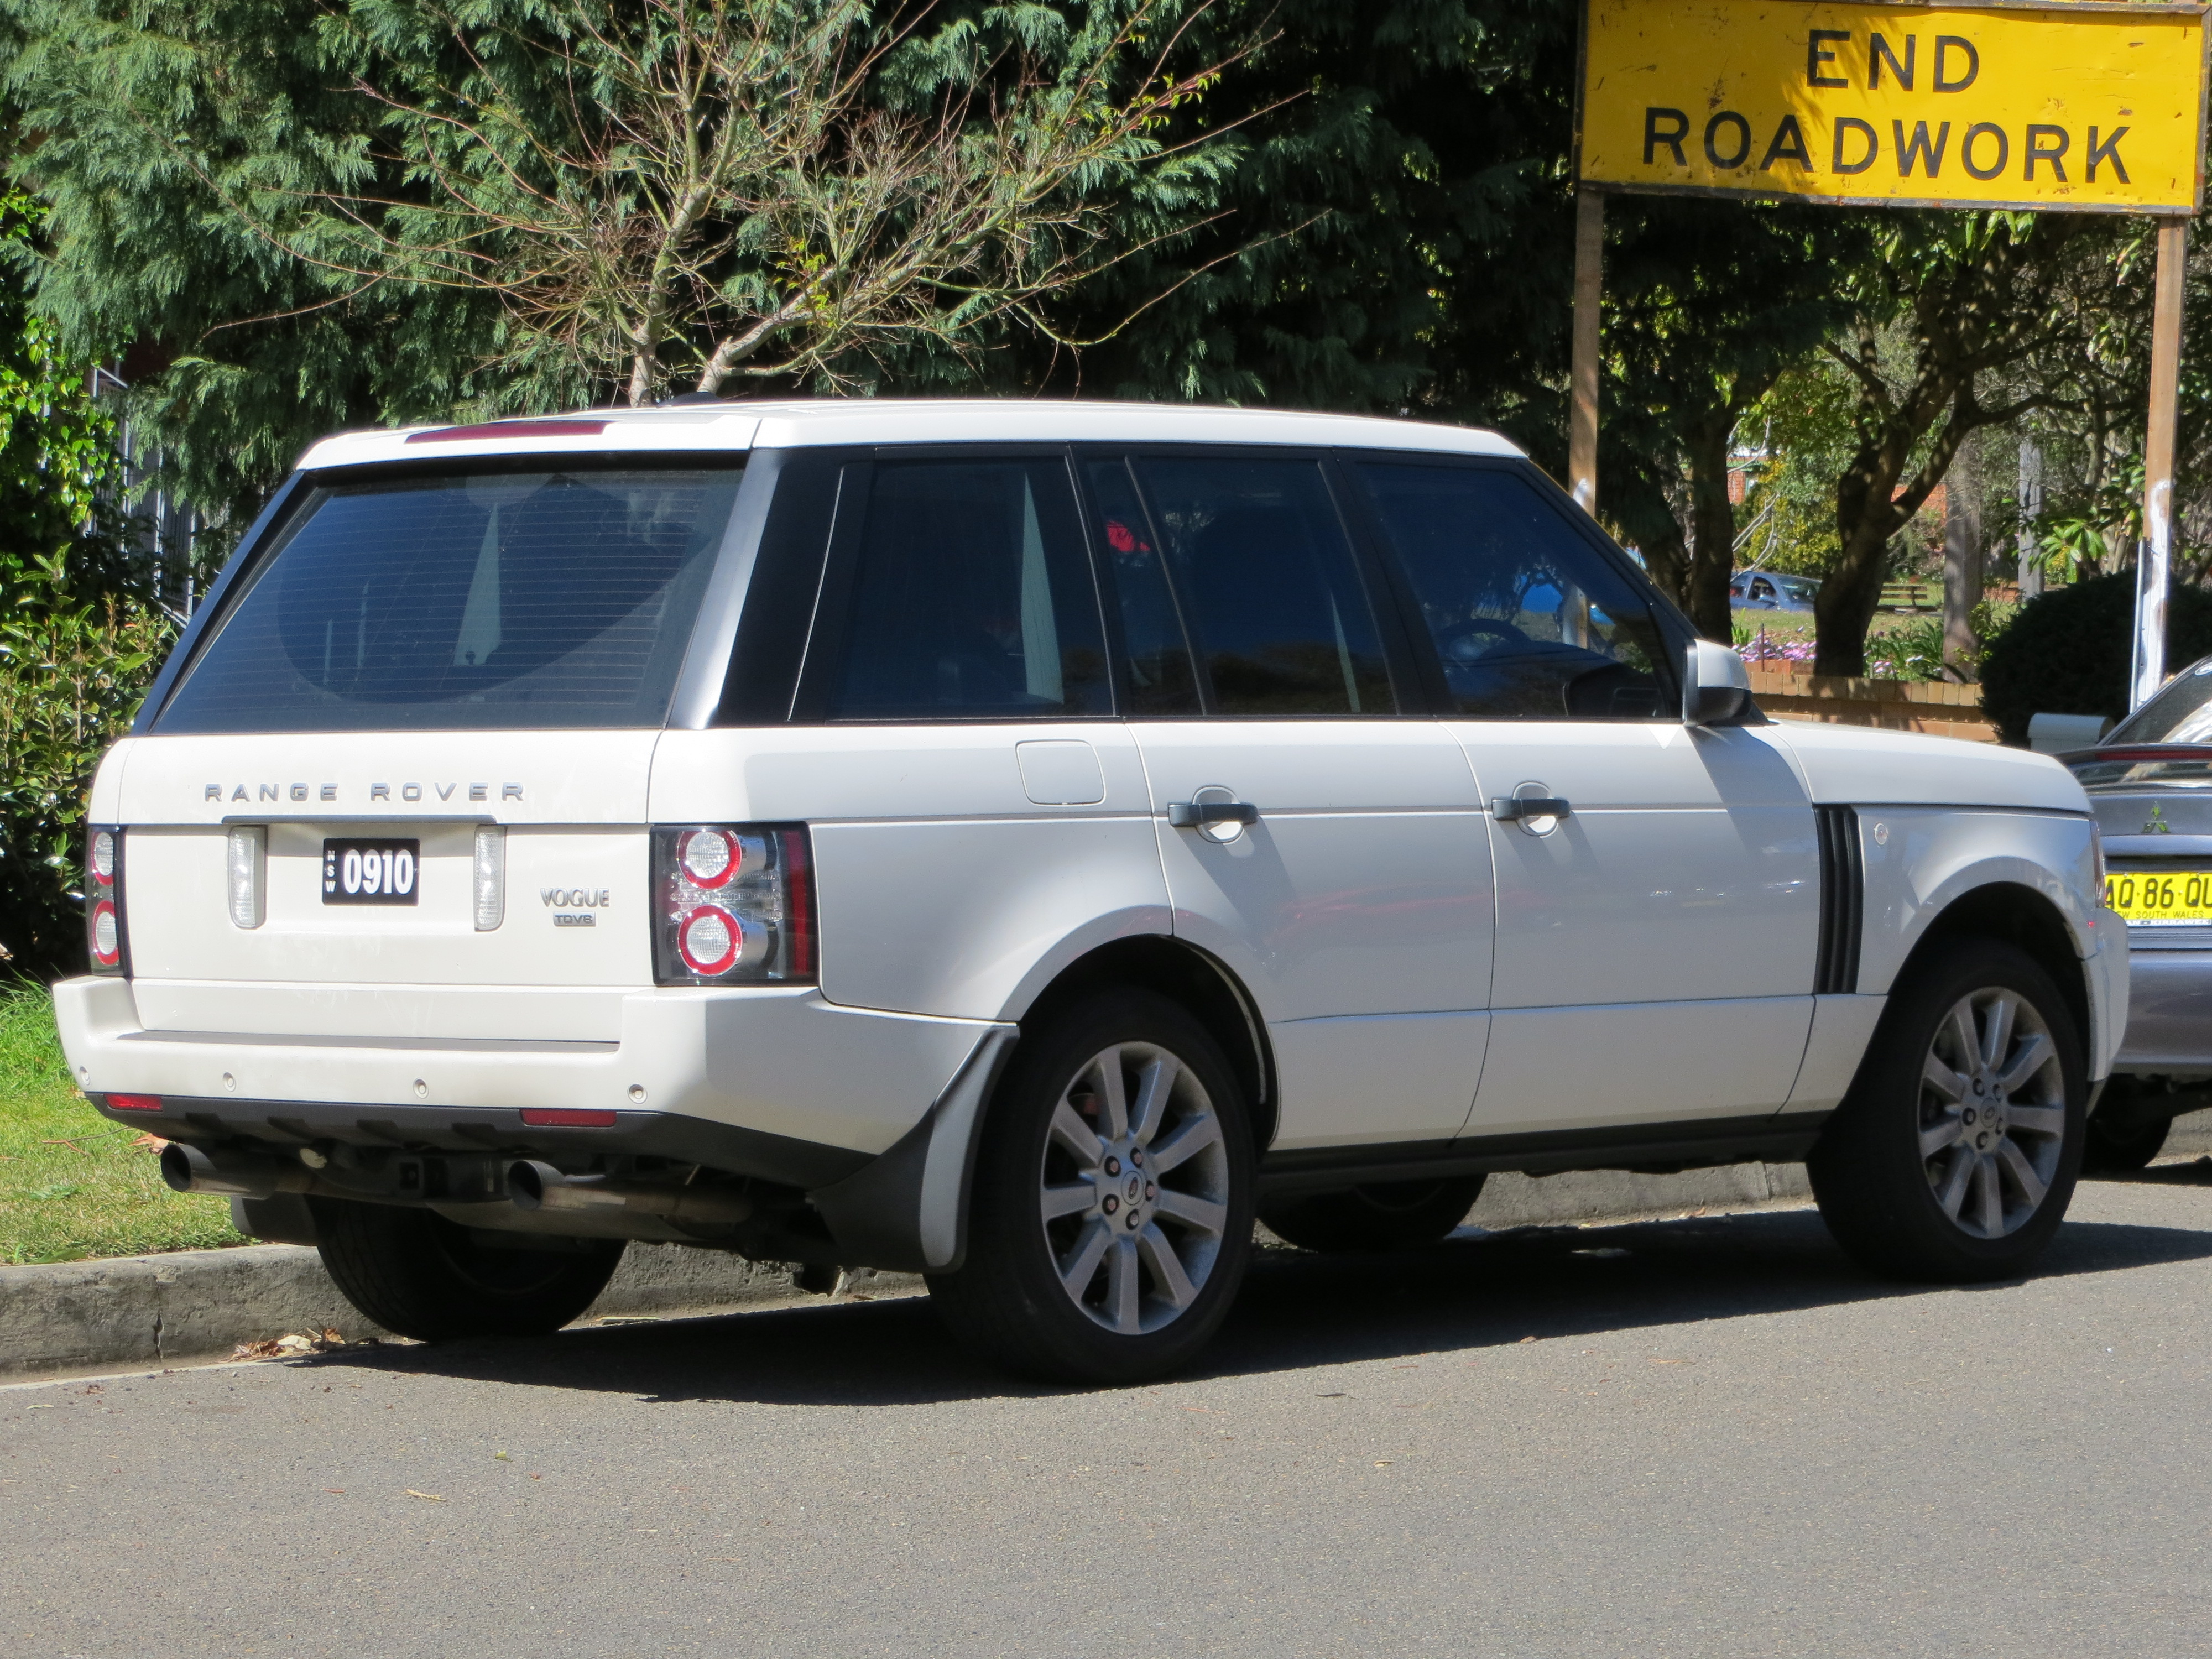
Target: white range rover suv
[1022,842]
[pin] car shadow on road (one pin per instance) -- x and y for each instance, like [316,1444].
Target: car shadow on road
[1297,1309]
[2195,1173]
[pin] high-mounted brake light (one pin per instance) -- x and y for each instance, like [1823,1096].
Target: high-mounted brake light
[734,904]
[105,941]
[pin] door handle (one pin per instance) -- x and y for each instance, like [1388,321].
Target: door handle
[1197,814]
[1510,809]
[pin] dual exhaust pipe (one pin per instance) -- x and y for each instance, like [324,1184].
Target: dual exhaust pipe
[531,1185]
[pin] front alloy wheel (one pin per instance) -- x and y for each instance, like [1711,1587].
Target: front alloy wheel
[1955,1155]
[1992,1113]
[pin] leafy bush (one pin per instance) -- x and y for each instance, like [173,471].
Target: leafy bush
[80,635]
[1911,650]
[2067,651]
[71,675]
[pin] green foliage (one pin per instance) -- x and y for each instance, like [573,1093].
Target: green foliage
[72,1184]
[77,647]
[72,673]
[2067,651]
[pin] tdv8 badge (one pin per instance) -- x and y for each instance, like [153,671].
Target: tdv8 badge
[573,907]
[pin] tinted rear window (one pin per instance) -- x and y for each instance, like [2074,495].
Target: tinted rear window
[505,599]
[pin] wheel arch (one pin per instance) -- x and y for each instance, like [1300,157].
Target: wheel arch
[2018,915]
[1194,979]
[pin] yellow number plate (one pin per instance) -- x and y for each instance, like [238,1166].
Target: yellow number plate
[2160,895]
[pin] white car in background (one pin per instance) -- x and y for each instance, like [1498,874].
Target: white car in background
[1021,842]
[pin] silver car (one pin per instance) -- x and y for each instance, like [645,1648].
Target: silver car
[1768,590]
[2151,783]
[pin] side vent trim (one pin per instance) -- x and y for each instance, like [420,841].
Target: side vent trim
[1843,901]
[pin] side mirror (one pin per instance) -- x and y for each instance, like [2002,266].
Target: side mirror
[1715,685]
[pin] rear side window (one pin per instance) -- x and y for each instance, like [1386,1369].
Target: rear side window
[500,601]
[1270,590]
[1530,620]
[972,597]
[1161,679]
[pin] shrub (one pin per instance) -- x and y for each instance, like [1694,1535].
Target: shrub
[2067,651]
[70,678]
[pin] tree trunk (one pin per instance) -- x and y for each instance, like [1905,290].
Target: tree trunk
[1962,582]
[1713,519]
[1853,592]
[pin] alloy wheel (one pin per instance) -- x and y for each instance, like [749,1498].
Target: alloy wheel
[1992,1113]
[1134,1188]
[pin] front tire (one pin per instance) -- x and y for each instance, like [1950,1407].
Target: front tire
[1955,1154]
[1112,1212]
[1394,1215]
[418,1275]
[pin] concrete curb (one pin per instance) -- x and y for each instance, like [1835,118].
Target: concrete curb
[195,1304]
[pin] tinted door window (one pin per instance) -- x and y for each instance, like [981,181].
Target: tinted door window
[1161,679]
[1269,586]
[972,597]
[1531,622]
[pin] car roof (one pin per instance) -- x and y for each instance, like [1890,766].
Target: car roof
[727,427]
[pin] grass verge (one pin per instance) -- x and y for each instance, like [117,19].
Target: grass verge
[73,1185]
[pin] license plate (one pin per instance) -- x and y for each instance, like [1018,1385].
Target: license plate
[370,871]
[2171,896]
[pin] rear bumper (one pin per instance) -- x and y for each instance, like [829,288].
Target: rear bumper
[768,1065]
[2170,1013]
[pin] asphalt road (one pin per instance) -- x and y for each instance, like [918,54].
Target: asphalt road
[1707,1436]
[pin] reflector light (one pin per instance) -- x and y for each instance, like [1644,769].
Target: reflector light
[135,1103]
[248,844]
[564,1117]
[490,878]
[447,434]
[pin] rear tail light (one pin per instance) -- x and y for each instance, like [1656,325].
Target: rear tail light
[2097,859]
[247,859]
[105,941]
[734,904]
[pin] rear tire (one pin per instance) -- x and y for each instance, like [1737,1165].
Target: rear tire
[1395,1215]
[1111,1217]
[418,1275]
[1954,1156]
[2120,1139]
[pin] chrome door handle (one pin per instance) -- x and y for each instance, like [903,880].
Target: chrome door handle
[1510,809]
[1197,814]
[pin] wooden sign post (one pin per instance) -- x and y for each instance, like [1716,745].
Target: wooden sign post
[2056,105]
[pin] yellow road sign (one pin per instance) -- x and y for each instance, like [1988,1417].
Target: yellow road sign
[2083,105]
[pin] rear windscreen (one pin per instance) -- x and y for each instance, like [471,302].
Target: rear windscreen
[558,598]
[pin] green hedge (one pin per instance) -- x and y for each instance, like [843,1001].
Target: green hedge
[2067,651]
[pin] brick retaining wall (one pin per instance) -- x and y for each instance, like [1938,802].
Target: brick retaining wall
[1933,706]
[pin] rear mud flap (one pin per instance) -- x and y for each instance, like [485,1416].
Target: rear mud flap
[907,1210]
